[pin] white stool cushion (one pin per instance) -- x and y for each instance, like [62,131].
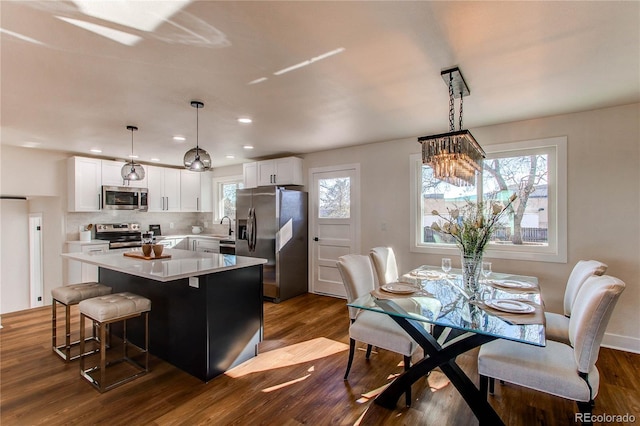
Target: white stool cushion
[551,369]
[557,327]
[72,294]
[114,306]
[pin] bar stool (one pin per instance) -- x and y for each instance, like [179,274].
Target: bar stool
[105,310]
[71,295]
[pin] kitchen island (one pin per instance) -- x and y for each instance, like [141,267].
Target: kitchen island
[206,308]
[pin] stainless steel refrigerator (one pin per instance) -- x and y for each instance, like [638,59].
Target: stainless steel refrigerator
[272,224]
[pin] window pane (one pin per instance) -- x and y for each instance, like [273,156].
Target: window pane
[228,198]
[527,177]
[334,198]
[441,196]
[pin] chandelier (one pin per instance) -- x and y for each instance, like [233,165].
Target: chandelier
[455,157]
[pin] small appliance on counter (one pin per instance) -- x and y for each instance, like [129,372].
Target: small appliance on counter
[155,229]
[196,229]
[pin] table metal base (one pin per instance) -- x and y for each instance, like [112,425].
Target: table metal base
[443,355]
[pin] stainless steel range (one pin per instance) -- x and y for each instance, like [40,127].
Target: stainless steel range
[119,235]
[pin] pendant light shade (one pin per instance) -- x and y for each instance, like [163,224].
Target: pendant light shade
[197,159]
[132,170]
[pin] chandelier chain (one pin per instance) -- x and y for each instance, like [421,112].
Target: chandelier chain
[452,110]
[461,98]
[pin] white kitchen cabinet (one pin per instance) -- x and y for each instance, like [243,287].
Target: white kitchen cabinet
[195,191]
[80,272]
[205,245]
[250,175]
[112,175]
[174,242]
[84,184]
[280,171]
[164,189]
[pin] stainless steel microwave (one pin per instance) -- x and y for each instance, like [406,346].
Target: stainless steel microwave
[124,198]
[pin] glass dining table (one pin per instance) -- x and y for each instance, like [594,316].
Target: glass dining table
[446,321]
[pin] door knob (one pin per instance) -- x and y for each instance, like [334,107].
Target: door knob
[315,239]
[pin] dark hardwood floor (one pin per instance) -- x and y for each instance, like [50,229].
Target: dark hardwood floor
[297,379]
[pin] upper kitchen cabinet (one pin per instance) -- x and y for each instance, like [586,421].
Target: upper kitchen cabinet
[112,175]
[195,191]
[250,175]
[279,171]
[84,181]
[164,189]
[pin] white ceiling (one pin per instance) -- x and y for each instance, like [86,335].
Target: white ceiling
[66,88]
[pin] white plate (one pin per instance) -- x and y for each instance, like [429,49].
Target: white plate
[399,288]
[513,306]
[513,284]
[430,275]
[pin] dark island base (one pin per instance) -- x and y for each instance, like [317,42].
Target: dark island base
[203,331]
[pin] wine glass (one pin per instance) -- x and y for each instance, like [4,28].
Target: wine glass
[446,265]
[486,270]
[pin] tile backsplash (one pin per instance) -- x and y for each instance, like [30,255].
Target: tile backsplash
[182,222]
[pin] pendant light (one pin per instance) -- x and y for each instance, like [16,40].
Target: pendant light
[454,156]
[132,170]
[197,159]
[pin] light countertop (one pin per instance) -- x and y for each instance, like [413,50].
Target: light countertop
[182,264]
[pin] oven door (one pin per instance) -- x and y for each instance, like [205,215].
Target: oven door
[123,198]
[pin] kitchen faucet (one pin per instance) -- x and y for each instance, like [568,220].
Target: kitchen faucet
[230,230]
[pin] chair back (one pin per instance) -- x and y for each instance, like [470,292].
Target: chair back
[591,312]
[583,270]
[384,264]
[357,277]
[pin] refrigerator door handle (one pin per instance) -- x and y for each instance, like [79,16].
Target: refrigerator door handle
[254,229]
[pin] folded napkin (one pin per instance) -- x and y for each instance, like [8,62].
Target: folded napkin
[535,317]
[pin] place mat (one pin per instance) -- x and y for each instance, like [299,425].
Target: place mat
[140,255]
[535,317]
[381,294]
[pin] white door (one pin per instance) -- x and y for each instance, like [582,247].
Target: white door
[35,261]
[334,224]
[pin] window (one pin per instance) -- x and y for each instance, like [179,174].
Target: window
[334,198]
[536,229]
[225,196]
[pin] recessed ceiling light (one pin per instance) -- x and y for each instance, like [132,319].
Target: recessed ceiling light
[179,138]
[97,151]
[31,144]
[244,120]
[248,147]
[155,159]
[133,156]
[230,156]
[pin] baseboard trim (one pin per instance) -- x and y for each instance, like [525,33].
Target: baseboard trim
[622,343]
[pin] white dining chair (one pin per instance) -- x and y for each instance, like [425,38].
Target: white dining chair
[384,264]
[372,328]
[567,371]
[557,327]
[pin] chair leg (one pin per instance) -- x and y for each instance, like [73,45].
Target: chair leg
[352,348]
[586,408]
[484,385]
[369,347]
[492,385]
[407,365]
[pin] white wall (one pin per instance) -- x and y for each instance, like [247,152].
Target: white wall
[603,205]
[14,269]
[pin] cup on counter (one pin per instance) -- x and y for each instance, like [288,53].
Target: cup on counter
[157,249]
[146,249]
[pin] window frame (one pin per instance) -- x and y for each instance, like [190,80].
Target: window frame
[217,193]
[555,251]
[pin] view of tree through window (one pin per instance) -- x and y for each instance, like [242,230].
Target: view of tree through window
[228,198]
[525,175]
[334,198]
